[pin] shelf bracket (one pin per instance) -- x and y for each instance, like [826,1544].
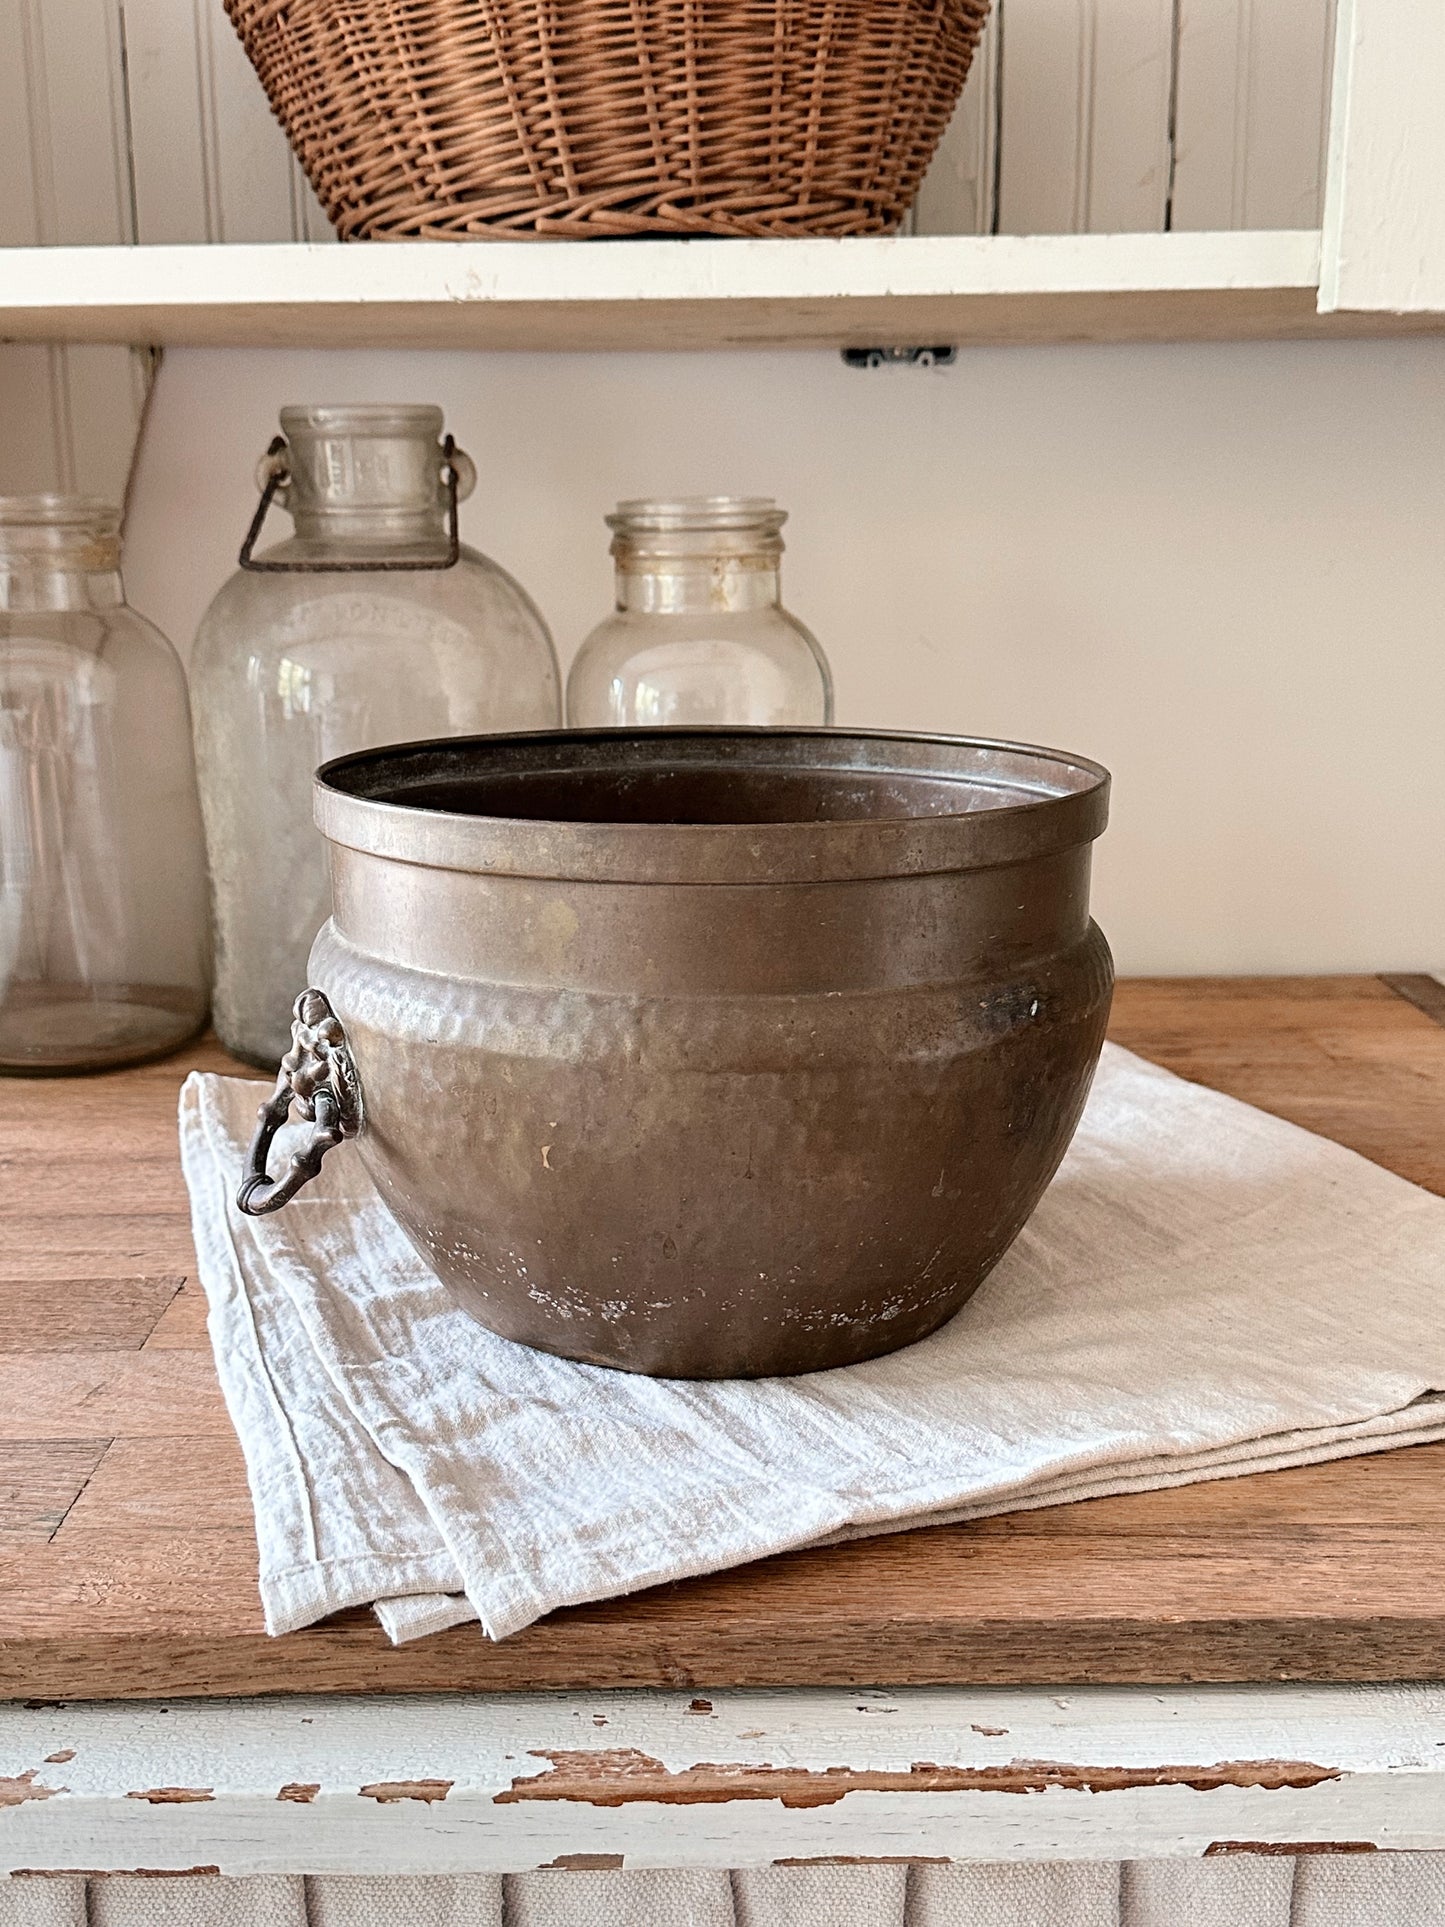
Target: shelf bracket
[934,357]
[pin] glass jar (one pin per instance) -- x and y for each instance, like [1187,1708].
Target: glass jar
[103,919]
[699,634]
[370,625]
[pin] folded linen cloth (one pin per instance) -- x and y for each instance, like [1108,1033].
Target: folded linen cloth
[1204,1291]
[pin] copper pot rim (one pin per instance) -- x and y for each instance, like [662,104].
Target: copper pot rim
[1063,803]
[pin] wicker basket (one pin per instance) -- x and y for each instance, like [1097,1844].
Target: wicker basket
[531,118]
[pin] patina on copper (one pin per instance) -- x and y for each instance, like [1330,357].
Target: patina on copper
[714,1053]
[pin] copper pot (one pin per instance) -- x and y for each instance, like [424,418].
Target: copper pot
[703,1053]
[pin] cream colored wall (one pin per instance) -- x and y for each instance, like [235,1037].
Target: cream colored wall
[1219,569]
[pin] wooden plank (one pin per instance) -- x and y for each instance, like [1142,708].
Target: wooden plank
[147,1485]
[1129,134]
[182,1325]
[254,194]
[40,1481]
[1427,994]
[81,1244]
[61,1183]
[189,1585]
[734,1778]
[1328,1572]
[171,174]
[138,1395]
[61,102]
[1341,1056]
[82,1314]
[1384,214]
[20,155]
[1043,134]
[76,74]
[33,449]
[1084,140]
[1252,90]
[696,294]
[959,191]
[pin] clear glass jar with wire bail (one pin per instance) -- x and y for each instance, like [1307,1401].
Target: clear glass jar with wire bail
[374,623]
[104,943]
[699,633]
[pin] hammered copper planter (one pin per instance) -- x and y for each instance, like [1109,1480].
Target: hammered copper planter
[704,1053]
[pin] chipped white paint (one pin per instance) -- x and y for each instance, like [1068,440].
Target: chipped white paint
[469,1783]
[1384,219]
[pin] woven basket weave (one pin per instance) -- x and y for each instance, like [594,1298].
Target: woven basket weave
[530,118]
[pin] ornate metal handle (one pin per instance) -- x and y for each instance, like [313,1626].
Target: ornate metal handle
[319,1075]
[459,477]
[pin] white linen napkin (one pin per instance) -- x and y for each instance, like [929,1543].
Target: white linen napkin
[1204,1291]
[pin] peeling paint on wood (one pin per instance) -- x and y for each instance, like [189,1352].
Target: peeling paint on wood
[173,1796]
[583,1863]
[59,1759]
[111,1873]
[989,1732]
[866,1860]
[1275,1766]
[389,1791]
[1289,1848]
[618,1776]
[15,1791]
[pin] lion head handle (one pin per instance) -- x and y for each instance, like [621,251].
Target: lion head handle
[318,1075]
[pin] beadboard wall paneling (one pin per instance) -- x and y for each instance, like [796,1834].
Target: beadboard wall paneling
[959,194]
[208,160]
[1084,130]
[1251,113]
[1106,116]
[69,414]
[120,121]
[171,161]
[141,120]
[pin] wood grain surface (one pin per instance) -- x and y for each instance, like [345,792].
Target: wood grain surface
[127,1561]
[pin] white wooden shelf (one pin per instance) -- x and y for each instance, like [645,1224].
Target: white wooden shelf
[682,294]
[468,1783]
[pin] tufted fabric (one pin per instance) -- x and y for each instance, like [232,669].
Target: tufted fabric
[1246,1890]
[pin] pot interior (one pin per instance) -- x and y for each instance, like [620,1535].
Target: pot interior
[680,777]
[701,795]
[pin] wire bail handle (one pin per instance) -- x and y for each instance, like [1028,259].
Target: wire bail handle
[273,478]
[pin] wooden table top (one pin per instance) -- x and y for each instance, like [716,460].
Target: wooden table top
[127,1559]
